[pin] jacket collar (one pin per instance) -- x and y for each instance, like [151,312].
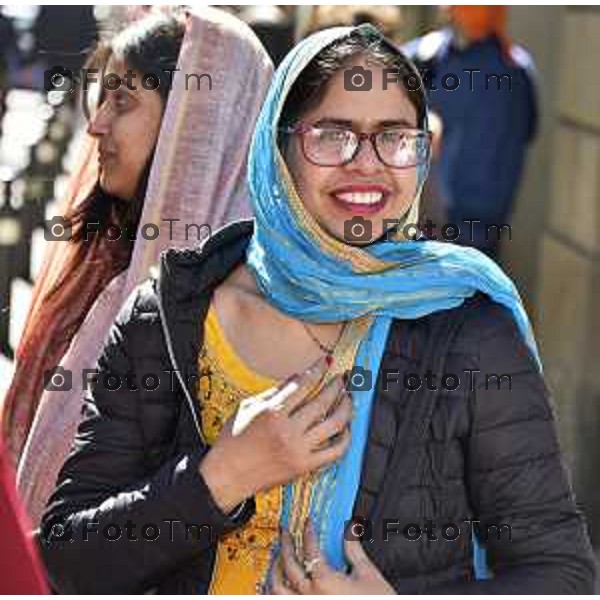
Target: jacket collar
[186,282]
[194,271]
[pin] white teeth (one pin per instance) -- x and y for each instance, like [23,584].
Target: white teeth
[360,197]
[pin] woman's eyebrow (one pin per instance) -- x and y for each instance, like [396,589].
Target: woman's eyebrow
[131,94]
[395,123]
[336,122]
[349,124]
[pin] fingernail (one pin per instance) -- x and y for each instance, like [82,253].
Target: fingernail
[290,378]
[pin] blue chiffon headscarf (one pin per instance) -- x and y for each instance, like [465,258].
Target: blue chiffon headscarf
[307,274]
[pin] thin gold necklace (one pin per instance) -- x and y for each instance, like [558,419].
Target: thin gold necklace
[317,341]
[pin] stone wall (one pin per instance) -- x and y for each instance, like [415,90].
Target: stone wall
[555,253]
[568,294]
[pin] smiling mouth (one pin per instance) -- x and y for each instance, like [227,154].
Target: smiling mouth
[360,202]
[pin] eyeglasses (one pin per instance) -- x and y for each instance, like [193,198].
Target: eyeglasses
[396,147]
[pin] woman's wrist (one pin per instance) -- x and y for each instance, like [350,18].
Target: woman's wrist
[224,485]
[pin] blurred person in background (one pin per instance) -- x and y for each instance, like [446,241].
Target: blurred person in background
[8,56]
[387,19]
[487,123]
[150,155]
[250,467]
[273,26]
[64,35]
[44,36]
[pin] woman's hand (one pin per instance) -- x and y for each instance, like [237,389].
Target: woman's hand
[278,436]
[291,577]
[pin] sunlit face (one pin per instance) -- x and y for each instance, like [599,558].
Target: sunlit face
[126,125]
[365,187]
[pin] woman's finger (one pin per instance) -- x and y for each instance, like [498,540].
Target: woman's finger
[332,451]
[312,552]
[357,557]
[278,584]
[293,570]
[333,424]
[295,391]
[314,411]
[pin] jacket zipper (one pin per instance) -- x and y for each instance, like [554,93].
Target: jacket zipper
[171,354]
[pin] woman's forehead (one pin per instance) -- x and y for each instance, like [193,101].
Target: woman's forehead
[381,103]
[116,65]
[130,78]
[119,66]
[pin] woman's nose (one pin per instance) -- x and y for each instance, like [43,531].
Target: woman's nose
[100,122]
[366,158]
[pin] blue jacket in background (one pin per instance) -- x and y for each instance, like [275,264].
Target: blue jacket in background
[486,129]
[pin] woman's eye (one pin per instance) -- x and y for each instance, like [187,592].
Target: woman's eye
[121,101]
[391,137]
[333,135]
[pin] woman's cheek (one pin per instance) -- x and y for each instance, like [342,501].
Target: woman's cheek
[406,184]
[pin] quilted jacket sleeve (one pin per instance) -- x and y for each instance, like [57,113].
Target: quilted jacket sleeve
[104,483]
[535,537]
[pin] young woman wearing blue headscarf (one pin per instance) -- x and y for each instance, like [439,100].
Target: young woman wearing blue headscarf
[295,479]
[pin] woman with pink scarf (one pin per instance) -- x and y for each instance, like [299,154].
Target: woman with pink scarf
[162,165]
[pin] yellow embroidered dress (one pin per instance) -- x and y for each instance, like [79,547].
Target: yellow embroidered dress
[243,555]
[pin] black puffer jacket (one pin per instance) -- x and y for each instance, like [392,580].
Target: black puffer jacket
[439,456]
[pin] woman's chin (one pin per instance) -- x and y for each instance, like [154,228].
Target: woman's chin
[347,238]
[113,188]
